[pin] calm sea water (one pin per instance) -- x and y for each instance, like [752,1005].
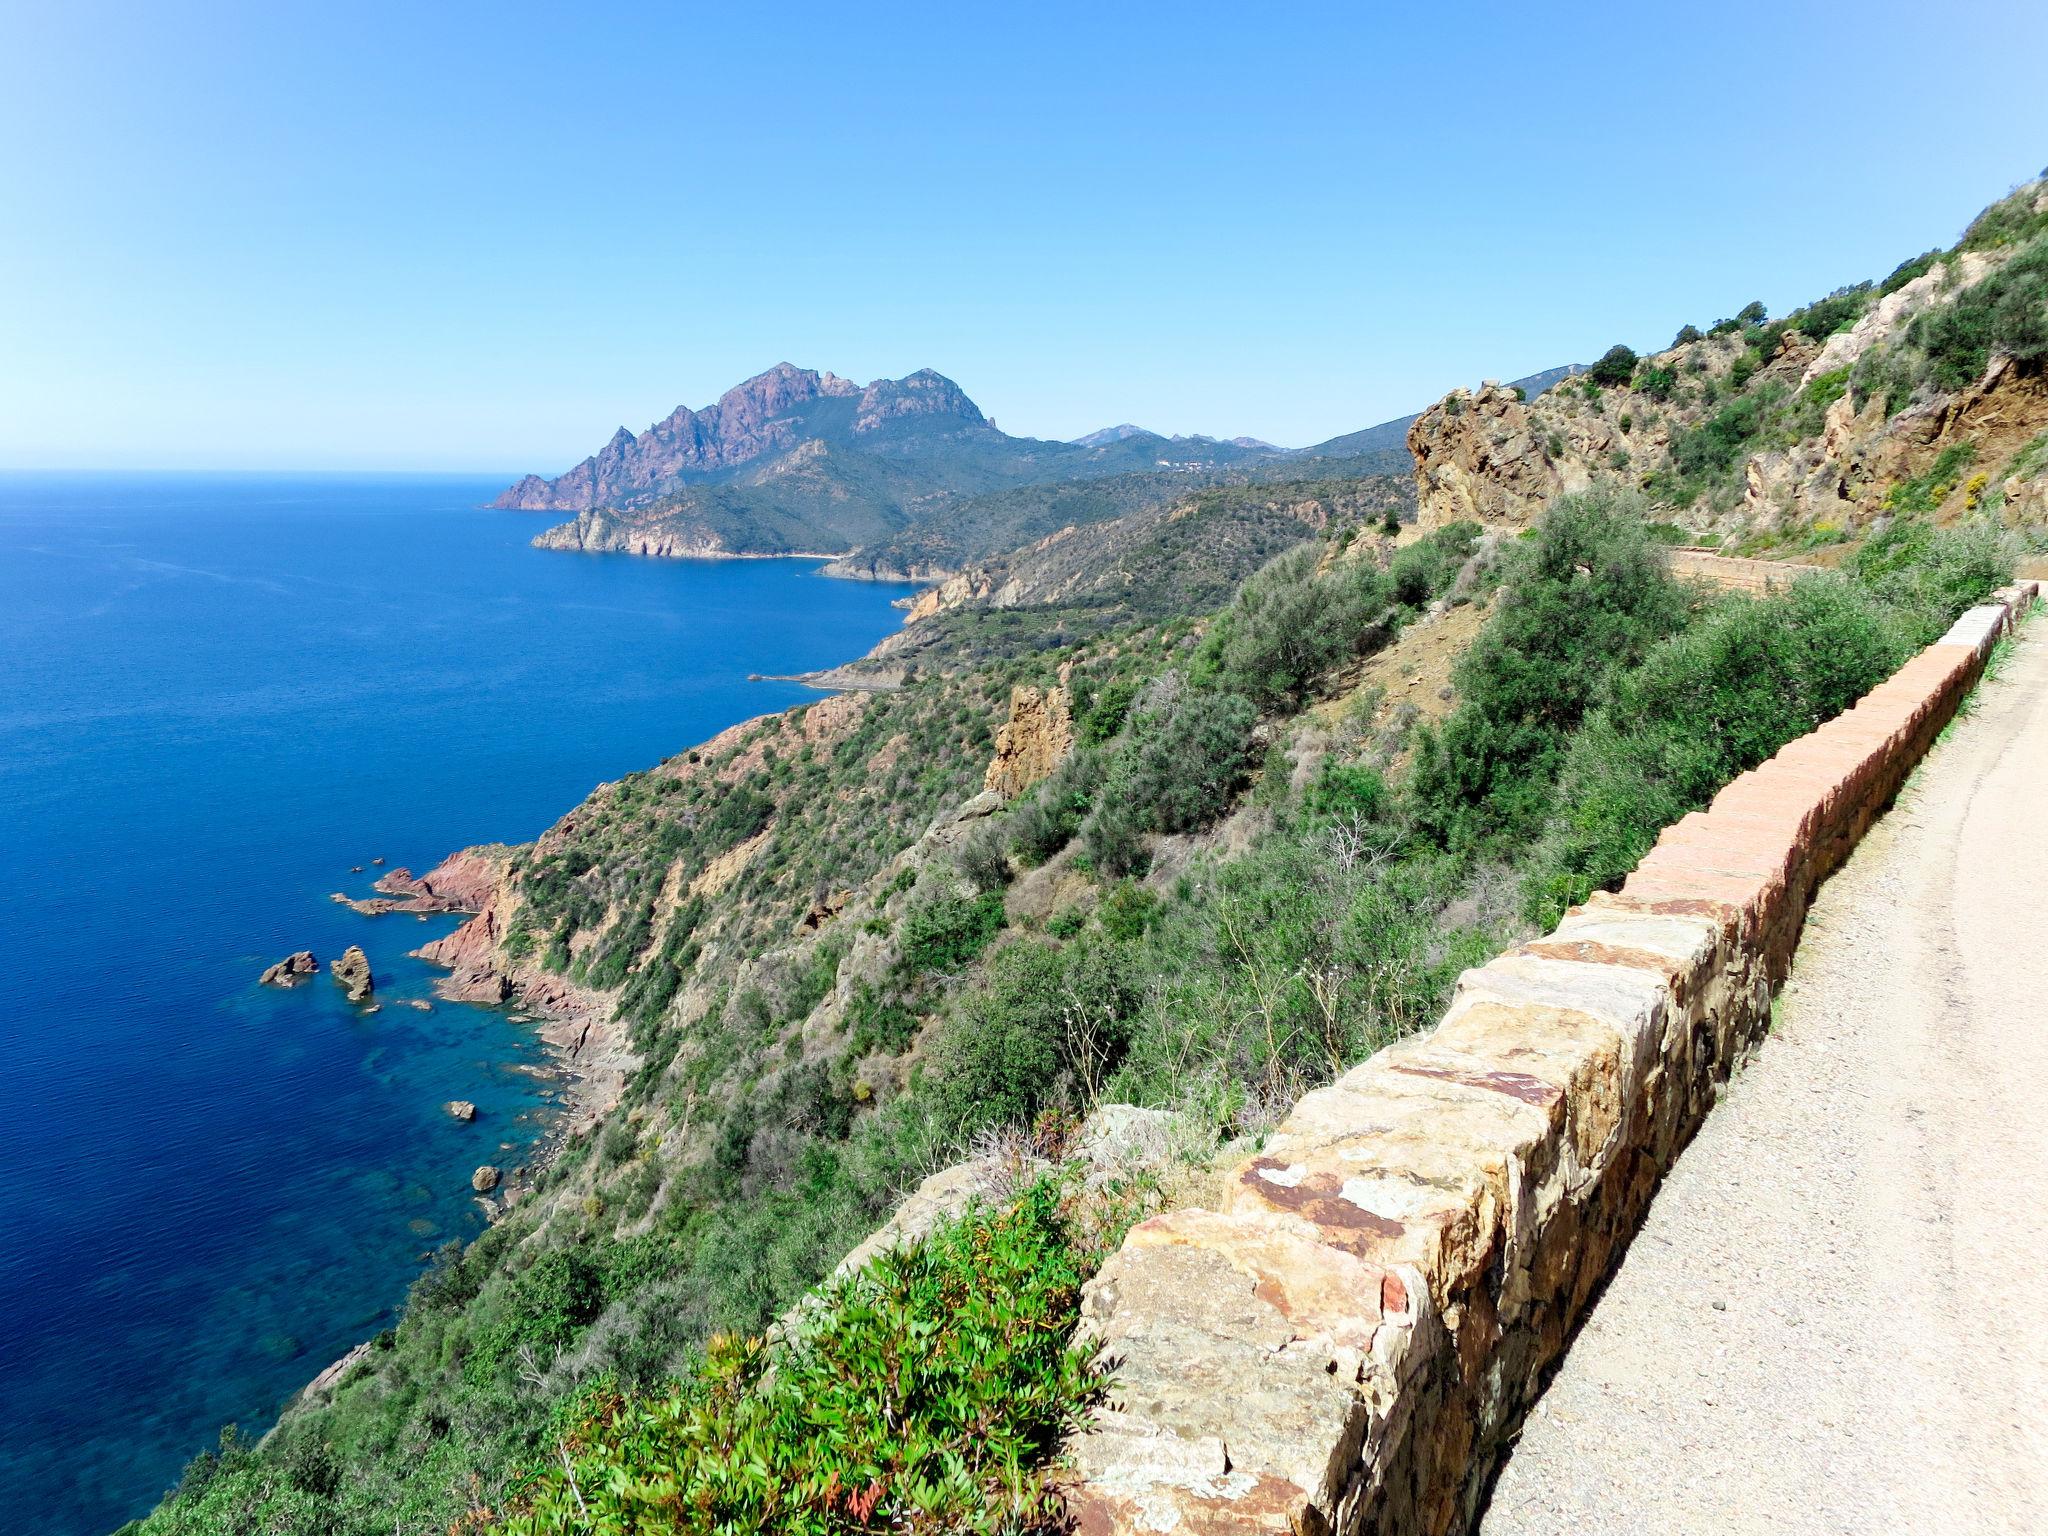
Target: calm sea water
[216,696]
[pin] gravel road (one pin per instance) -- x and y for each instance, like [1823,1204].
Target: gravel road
[1836,1317]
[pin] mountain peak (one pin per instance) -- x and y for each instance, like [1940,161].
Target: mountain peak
[1102,438]
[771,413]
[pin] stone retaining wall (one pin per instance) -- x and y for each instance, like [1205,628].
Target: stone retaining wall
[1351,1341]
[1733,571]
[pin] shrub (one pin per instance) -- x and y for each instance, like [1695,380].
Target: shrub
[1180,769]
[1047,822]
[1288,625]
[1702,707]
[1430,565]
[1104,716]
[1588,594]
[944,933]
[1128,911]
[2006,313]
[1924,492]
[1657,383]
[878,1023]
[541,1310]
[984,856]
[1906,271]
[923,1393]
[1752,313]
[1929,575]
[1049,1026]
[1617,365]
[1687,334]
[1343,791]
[1718,442]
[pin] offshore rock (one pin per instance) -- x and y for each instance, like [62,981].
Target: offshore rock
[461,1109]
[291,970]
[485,1179]
[352,971]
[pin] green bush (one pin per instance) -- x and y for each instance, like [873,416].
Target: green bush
[1617,365]
[1657,383]
[1717,443]
[1702,707]
[984,856]
[1687,334]
[1587,595]
[878,1023]
[1049,1026]
[2008,221]
[541,1310]
[1288,625]
[945,933]
[927,1392]
[1344,791]
[1428,567]
[1906,271]
[1047,822]
[1924,492]
[1104,716]
[1176,770]
[1928,576]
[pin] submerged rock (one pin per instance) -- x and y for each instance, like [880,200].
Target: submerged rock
[461,1109]
[291,970]
[485,1179]
[352,971]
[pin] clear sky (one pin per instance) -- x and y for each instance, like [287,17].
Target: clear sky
[444,235]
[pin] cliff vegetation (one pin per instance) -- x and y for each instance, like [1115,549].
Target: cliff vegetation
[1229,851]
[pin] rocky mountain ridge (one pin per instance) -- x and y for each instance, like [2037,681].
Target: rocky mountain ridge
[763,415]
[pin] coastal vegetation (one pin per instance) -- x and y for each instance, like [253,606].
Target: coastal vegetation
[1260,851]
[602,1367]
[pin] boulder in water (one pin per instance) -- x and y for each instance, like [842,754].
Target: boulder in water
[291,970]
[485,1179]
[352,971]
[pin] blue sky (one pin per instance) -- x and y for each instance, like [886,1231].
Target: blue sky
[482,236]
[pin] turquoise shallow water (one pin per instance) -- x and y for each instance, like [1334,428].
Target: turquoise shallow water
[217,694]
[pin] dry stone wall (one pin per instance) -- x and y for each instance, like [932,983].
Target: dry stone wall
[1350,1342]
[1733,572]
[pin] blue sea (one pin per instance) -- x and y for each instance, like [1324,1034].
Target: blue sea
[218,695]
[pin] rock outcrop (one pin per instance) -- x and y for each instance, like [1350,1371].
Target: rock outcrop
[458,883]
[291,970]
[485,1179]
[1035,740]
[1480,457]
[460,1109]
[352,972]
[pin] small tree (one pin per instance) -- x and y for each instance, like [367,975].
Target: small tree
[1616,367]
